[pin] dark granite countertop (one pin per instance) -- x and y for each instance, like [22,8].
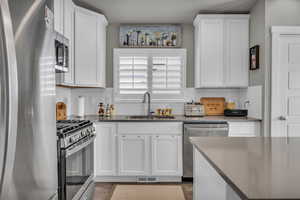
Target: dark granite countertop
[177,118]
[256,168]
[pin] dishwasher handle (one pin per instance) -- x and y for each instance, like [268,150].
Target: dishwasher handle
[206,129]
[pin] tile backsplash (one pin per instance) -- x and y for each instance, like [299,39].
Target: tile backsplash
[93,96]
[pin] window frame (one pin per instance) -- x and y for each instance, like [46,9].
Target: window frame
[150,53]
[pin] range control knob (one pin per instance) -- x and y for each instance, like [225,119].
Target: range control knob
[71,140]
[82,133]
[89,131]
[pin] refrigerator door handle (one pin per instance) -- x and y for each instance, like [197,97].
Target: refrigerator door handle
[8,99]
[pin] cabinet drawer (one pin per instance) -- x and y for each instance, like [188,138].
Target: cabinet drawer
[244,129]
[170,128]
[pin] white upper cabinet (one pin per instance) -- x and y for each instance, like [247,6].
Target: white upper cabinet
[86,31]
[69,8]
[237,52]
[90,35]
[59,16]
[221,51]
[211,53]
[64,24]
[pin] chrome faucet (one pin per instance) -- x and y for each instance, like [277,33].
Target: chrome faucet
[246,104]
[149,113]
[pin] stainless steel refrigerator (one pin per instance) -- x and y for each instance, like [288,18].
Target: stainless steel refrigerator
[28,149]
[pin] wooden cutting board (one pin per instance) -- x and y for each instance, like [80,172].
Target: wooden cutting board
[213,106]
[61,111]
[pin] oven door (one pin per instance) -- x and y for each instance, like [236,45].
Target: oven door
[79,168]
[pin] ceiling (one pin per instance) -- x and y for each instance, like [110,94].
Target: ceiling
[165,11]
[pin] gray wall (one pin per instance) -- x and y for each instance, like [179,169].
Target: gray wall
[264,15]
[283,12]
[113,42]
[258,37]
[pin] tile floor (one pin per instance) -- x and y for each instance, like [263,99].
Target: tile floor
[103,191]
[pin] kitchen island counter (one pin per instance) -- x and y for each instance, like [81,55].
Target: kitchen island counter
[253,168]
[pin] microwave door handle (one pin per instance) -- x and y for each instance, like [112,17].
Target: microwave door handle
[65,56]
[8,99]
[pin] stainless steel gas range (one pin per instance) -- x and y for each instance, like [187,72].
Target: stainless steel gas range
[75,159]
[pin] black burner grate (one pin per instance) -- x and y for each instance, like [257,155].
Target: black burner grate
[64,127]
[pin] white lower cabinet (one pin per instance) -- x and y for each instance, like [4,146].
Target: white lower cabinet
[133,155]
[244,129]
[105,149]
[167,155]
[126,152]
[208,184]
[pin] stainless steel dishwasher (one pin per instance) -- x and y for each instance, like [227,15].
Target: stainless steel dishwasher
[207,129]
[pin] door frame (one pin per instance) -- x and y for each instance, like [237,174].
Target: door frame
[277,33]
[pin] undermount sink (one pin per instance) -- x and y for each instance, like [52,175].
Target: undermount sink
[141,117]
[150,117]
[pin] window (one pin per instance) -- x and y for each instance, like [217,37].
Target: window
[133,74]
[158,71]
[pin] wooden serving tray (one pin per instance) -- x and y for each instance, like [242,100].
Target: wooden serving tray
[213,106]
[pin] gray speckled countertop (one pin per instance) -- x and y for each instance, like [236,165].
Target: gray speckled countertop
[256,168]
[178,118]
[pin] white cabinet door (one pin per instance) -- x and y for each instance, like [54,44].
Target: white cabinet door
[101,51]
[221,51]
[133,158]
[211,53]
[59,16]
[90,48]
[244,129]
[105,149]
[85,47]
[167,155]
[207,183]
[236,52]
[67,79]
[69,9]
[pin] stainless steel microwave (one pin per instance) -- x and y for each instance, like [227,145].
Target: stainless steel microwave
[61,53]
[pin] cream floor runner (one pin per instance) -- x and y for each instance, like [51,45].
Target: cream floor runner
[148,192]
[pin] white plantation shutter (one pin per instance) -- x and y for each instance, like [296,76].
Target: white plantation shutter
[158,71]
[133,74]
[167,74]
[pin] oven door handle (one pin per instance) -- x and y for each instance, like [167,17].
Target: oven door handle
[206,129]
[77,148]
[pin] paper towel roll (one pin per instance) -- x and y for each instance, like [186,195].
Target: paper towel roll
[81,105]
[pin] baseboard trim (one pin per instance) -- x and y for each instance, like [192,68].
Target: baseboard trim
[135,179]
